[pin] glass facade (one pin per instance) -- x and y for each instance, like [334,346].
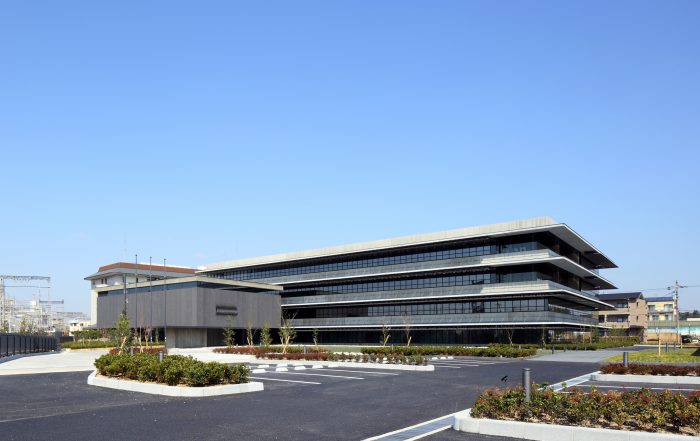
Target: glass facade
[456,253]
[382,271]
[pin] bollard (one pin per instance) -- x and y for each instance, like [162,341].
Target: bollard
[304,349]
[527,384]
[131,350]
[625,359]
[666,347]
[552,349]
[160,356]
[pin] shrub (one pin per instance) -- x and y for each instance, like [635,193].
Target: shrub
[639,409]
[650,369]
[173,370]
[491,351]
[145,350]
[90,344]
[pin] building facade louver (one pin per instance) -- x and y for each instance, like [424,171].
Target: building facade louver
[520,281]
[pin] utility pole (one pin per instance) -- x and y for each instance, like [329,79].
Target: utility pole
[676,290]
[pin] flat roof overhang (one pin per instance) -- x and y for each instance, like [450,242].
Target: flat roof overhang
[541,224]
[560,291]
[560,262]
[223,284]
[461,325]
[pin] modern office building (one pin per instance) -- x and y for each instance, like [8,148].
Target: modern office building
[190,310]
[120,273]
[518,281]
[629,315]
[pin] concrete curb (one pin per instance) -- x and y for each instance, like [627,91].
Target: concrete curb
[463,422]
[656,379]
[173,391]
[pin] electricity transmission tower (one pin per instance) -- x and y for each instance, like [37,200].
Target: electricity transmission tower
[5,309]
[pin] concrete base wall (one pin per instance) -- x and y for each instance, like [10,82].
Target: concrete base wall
[187,337]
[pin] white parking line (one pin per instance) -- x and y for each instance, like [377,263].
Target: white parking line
[324,375]
[279,379]
[361,372]
[448,367]
[455,366]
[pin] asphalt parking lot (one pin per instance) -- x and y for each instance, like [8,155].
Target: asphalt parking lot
[312,404]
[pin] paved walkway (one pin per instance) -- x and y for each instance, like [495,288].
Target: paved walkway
[584,356]
[53,362]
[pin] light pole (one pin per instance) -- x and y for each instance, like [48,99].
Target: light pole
[165,297]
[150,296]
[136,297]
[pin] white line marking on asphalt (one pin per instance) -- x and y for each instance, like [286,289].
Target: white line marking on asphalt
[405,429]
[448,367]
[324,375]
[439,363]
[362,372]
[572,382]
[432,432]
[279,379]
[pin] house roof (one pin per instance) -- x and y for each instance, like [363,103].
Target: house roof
[660,299]
[621,296]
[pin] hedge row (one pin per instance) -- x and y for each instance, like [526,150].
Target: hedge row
[358,358]
[173,370]
[261,350]
[639,409]
[89,344]
[650,369]
[584,346]
[142,350]
[491,351]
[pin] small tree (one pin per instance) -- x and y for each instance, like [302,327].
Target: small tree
[407,328]
[509,335]
[229,333]
[386,334]
[122,333]
[314,337]
[249,334]
[287,333]
[26,326]
[265,336]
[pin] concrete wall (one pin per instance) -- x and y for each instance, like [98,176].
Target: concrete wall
[186,337]
[191,308]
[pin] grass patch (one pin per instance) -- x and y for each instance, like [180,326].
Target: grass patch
[686,355]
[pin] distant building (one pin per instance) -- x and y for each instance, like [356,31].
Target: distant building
[116,274]
[77,325]
[630,313]
[661,308]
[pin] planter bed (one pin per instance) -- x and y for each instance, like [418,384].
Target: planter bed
[464,422]
[603,415]
[652,379]
[651,369]
[172,391]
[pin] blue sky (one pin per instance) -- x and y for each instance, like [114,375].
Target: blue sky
[209,131]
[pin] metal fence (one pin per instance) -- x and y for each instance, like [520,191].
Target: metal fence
[13,344]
